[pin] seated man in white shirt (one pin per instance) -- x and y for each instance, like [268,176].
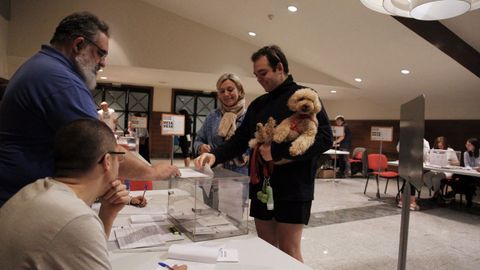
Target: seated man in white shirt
[49,224]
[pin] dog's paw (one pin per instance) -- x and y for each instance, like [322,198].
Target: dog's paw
[297,148]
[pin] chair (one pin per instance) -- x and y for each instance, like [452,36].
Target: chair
[377,165]
[358,162]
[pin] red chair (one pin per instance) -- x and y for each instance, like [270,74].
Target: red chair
[377,165]
[358,163]
[140,185]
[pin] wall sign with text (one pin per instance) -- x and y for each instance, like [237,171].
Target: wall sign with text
[384,134]
[173,124]
[138,122]
[338,131]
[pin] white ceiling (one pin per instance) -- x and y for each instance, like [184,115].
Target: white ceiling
[342,40]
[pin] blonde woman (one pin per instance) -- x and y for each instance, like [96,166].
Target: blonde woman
[221,124]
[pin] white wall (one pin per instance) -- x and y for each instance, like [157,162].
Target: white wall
[3,48]
[162,99]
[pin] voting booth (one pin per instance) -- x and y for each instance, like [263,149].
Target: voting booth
[205,207]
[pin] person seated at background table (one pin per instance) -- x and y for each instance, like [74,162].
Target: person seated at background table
[465,184]
[433,179]
[413,200]
[49,224]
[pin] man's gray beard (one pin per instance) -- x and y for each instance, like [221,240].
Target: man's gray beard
[87,70]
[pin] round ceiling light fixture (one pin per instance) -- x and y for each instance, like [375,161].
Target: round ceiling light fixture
[427,10]
[292,8]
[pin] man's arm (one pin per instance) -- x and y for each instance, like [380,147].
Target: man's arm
[136,169]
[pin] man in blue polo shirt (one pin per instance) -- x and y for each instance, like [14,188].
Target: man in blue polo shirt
[48,91]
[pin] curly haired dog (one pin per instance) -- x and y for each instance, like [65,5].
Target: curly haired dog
[301,127]
[264,133]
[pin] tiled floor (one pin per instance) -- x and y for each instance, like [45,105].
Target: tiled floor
[349,230]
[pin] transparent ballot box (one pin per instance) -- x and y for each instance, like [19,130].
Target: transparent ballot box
[210,208]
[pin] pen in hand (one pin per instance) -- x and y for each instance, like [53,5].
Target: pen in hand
[144,191]
[165,265]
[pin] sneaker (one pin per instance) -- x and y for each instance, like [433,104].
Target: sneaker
[414,207]
[399,205]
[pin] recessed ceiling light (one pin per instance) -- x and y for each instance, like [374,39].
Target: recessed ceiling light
[405,71]
[333,91]
[103,78]
[100,70]
[292,8]
[358,79]
[252,34]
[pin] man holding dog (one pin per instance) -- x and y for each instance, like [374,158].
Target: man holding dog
[293,182]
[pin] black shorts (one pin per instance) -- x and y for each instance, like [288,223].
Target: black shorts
[293,212]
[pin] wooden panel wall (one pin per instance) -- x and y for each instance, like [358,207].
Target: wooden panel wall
[160,146]
[456,131]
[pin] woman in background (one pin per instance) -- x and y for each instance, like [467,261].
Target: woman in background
[221,124]
[433,179]
[185,141]
[465,184]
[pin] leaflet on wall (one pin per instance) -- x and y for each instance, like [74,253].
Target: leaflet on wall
[384,134]
[173,124]
[338,131]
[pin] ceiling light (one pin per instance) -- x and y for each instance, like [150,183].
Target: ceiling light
[405,71]
[292,8]
[333,91]
[428,10]
[100,70]
[358,79]
[103,78]
[252,34]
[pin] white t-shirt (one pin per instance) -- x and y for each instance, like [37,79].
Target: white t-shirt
[46,226]
[108,117]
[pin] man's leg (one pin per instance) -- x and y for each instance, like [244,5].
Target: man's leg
[289,239]
[266,229]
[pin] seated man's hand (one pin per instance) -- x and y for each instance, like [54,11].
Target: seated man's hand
[116,197]
[203,159]
[138,201]
[204,148]
[165,171]
[179,267]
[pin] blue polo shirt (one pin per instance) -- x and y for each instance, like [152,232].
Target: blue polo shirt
[44,94]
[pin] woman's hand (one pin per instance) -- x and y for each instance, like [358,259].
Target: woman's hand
[204,148]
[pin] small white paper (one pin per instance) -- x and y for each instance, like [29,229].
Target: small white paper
[227,255]
[191,173]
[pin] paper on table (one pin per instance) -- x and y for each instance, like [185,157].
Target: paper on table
[227,255]
[147,210]
[147,218]
[129,237]
[193,253]
[212,220]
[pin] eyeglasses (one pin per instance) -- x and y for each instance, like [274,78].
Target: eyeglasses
[121,156]
[101,52]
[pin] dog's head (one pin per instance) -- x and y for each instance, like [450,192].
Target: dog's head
[305,101]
